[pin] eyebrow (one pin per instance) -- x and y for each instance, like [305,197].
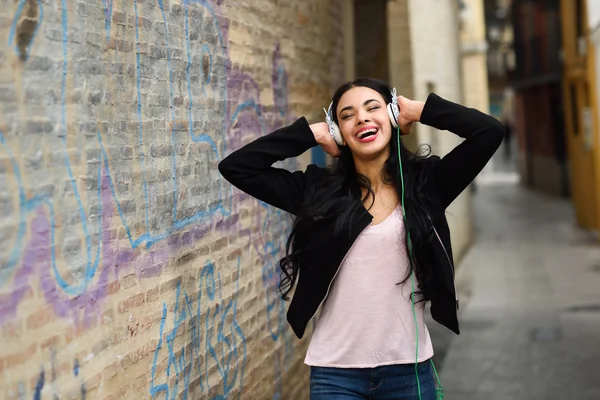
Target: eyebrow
[364,104]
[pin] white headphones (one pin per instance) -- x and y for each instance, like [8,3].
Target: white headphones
[392,109]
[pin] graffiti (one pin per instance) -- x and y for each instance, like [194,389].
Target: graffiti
[132,177]
[182,214]
[45,383]
[108,7]
[269,245]
[220,331]
[156,223]
[273,224]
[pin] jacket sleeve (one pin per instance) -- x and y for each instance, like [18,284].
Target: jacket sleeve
[483,134]
[250,167]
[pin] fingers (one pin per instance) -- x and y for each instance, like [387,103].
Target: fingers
[334,151]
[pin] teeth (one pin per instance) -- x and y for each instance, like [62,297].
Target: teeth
[363,134]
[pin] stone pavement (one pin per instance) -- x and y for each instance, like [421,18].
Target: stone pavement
[530,304]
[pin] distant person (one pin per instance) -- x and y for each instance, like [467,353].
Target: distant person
[370,243]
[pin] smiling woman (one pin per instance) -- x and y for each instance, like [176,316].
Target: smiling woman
[374,223]
[371,106]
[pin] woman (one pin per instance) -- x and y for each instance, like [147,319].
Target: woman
[370,242]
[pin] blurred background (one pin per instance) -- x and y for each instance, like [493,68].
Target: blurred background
[130,269]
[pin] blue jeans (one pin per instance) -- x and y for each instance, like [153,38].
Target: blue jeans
[380,383]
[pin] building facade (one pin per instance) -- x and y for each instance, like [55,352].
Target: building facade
[593,21]
[441,65]
[474,49]
[579,21]
[128,267]
[500,53]
[556,85]
[537,82]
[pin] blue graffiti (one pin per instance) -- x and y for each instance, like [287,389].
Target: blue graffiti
[108,7]
[178,223]
[39,385]
[90,228]
[42,381]
[139,115]
[220,339]
[269,251]
[221,330]
[27,206]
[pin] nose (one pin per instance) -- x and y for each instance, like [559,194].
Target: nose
[362,117]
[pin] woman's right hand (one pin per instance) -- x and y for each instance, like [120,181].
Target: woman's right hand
[321,132]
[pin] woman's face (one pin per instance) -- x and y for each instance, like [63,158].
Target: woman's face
[364,122]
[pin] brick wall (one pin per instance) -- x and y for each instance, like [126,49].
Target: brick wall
[128,267]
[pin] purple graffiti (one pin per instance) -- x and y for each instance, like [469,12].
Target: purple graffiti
[117,262]
[241,118]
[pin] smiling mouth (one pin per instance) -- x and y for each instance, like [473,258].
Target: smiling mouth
[367,135]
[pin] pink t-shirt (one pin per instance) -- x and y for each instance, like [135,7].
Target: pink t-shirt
[367,319]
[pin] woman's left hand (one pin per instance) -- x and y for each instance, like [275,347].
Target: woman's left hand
[410,112]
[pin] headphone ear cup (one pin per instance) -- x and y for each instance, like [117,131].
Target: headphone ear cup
[393,114]
[334,130]
[337,135]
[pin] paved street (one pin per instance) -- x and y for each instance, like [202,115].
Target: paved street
[530,304]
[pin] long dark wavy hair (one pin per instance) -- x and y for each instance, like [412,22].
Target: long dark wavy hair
[331,204]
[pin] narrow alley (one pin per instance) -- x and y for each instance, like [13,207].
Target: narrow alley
[530,305]
[132,268]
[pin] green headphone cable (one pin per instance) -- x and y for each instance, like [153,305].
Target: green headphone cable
[439,390]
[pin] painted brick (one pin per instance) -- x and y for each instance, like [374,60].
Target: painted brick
[38,319]
[132,302]
[128,281]
[152,294]
[51,342]
[122,241]
[11,359]
[93,381]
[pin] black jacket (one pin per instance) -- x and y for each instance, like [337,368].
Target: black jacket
[250,169]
